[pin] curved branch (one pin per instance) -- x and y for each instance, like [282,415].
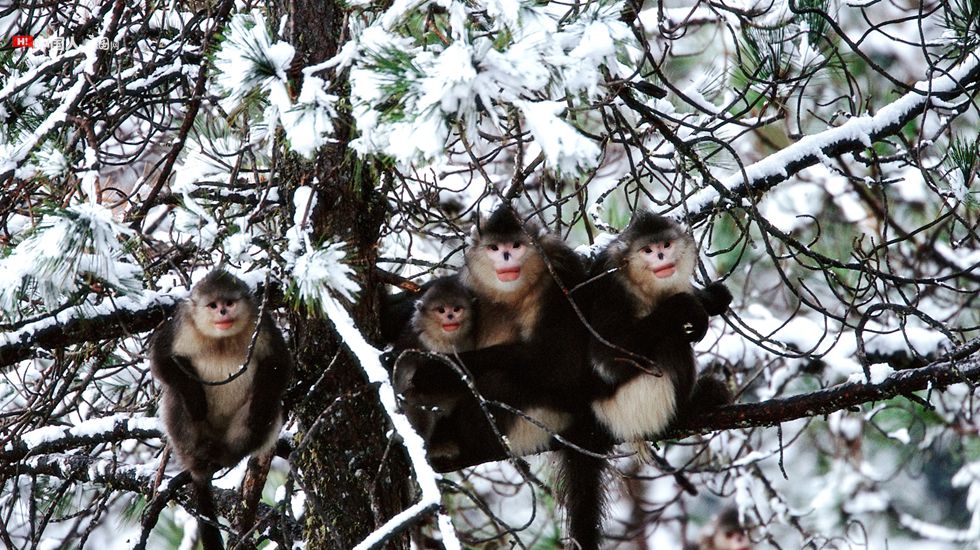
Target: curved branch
[132,478]
[857,134]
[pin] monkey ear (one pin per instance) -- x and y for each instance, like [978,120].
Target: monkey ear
[474,234]
[418,305]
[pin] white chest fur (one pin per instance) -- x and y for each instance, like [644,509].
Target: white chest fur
[217,363]
[640,408]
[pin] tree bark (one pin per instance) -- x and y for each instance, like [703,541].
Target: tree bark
[354,477]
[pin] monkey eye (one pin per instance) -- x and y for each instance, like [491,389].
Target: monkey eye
[667,244]
[213,305]
[230,303]
[494,247]
[456,309]
[517,244]
[441,309]
[646,250]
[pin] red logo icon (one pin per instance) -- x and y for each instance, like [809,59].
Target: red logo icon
[22,41]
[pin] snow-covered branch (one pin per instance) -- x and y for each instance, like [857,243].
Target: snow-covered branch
[431,499]
[86,323]
[856,134]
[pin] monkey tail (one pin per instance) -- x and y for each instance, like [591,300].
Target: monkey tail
[582,489]
[210,535]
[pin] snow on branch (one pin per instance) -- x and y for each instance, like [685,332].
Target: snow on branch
[854,135]
[51,439]
[139,479]
[93,64]
[85,323]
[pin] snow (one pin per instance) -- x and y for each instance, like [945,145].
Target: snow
[88,428]
[309,123]
[246,48]
[879,373]
[901,435]
[82,239]
[562,144]
[318,271]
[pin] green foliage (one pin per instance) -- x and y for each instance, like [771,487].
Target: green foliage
[963,160]
[962,18]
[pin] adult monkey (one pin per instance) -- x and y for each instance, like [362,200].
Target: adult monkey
[215,411]
[648,317]
[650,309]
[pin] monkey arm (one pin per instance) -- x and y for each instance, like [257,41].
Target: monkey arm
[272,374]
[437,375]
[715,298]
[679,316]
[175,372]
[178,379]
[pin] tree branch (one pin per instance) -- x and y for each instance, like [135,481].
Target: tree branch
[857,134]
[76,325]
[132,478]
[960,366]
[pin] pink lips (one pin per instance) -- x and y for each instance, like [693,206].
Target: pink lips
[507,275]
[224,325]
[450,327]
[665,271]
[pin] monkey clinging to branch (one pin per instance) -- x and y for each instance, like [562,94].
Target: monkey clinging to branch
[224,371]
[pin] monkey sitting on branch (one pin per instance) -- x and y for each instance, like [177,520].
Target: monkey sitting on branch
[224,370]
[530,351]
[650,314]
[645,315]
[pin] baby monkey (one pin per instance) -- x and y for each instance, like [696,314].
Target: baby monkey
[443,322]
[217,409]
[444,317]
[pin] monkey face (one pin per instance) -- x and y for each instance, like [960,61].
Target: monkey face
[662,264]
[732,538]
[450,317]
[507,259]
[219,317]
[659,257]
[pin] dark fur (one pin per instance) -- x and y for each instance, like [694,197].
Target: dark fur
[658,341]
[538,363]
[201,446]
[660,335]
[545,368]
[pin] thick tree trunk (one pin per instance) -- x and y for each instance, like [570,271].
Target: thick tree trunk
[354,477]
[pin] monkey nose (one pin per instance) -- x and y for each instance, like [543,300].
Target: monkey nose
[506,255]
[660,255]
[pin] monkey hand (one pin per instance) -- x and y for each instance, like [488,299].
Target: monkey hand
[685,316]
[716,298]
